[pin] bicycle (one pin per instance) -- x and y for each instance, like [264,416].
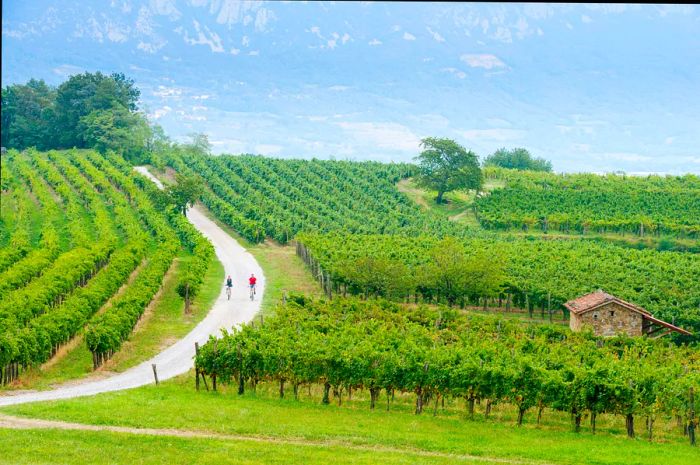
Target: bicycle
[228,292]
[252,291]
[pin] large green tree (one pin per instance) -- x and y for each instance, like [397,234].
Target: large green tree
[185,192]
[27,115]
[116,129]
[518,159]
[85,93]
[445,166]
[89,110]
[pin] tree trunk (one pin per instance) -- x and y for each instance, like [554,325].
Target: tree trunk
[282,388]
[521,413]
[439,198]
[241,384]
[326,391]
[470,404]
[629,420]
[373,396]
[487,412]
[419,400]
[593,417]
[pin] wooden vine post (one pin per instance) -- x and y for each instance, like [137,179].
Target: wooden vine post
[692,421]
[196,368]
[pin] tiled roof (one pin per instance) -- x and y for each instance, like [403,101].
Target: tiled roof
[595,299]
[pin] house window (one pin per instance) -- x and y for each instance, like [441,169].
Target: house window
[595,316]
[612,312]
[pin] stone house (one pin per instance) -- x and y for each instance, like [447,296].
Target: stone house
[608,315]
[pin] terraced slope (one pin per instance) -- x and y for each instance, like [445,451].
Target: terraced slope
[76,227]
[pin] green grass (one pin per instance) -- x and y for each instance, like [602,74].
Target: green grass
[458,206]
[176,405]
[80,447]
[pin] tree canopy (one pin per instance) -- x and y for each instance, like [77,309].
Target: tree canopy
[445,166]
[185,192]
[518,159]
[89,110]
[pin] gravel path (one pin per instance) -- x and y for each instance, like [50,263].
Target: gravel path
[178,358]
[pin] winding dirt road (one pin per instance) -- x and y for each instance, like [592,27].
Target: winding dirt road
[178,358]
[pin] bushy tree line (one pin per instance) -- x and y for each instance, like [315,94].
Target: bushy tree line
[517,159]
[346,344]
[89,110]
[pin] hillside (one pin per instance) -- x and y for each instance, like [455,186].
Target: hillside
[100,240]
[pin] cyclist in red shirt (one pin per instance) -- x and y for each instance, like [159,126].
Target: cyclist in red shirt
[251,281]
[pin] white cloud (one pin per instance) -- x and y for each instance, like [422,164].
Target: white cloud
[330,42]
[569,26]
[117,33]
[201,97]
[232,12]
[67,70]
[227,145]
[499,122]
[268,149]
[391,136]
[160,112]
[436,35]
[205,36]
[486,61]
[262,18]
[166,8]
[503,34]
[374,42]
[460,74]
[338,88]
[408,36]
[168,92]
[254,53]
[581,147]
[235,51]
[498,134]
[395,28]
[622,156]
[586,19]
[669,140]
[245,41]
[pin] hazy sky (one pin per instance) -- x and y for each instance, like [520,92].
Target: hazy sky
[591,87]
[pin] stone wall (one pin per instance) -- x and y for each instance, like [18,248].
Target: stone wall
[608,320]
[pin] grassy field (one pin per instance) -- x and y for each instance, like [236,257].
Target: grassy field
[458,206]
[350,433]
[163,323]
[42,446]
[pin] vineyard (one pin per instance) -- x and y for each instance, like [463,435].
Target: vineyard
[97,229]
[538,273]
[586,203]
[346,345]
[264,197]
